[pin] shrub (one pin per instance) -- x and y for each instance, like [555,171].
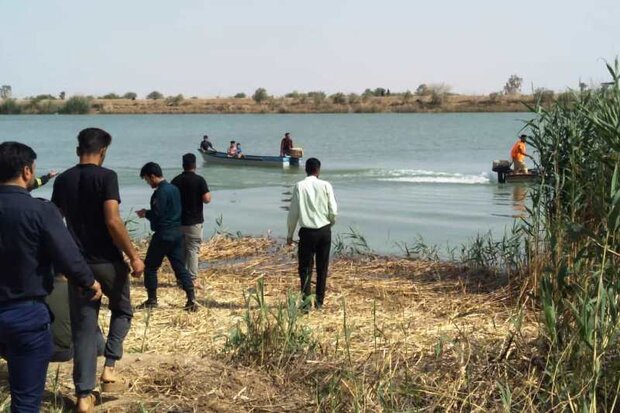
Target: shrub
[353,98]
[422,90]
[10,107]
[339,98]
[438,93]
[260,95]
[111,96]
[544,95]
[76,105]
[317,97]
[407,96]
[240,95]
[130,95]
[155,95]
[174,100]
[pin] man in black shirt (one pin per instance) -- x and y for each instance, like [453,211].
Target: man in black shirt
[88,196]
[194,193]
[167,240]
[32,238]
[206,145]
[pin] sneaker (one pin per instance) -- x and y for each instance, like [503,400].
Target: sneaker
[147,305]
[191,306]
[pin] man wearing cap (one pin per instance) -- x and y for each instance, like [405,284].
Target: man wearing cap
[32,238]
[194,194]
[518,154]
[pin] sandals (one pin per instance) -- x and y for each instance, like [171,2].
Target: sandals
[91,400]
[115,386]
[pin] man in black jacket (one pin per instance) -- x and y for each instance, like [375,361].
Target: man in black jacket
[32,238]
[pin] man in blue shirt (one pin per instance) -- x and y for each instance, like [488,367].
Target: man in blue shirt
[32,238]
[167,241]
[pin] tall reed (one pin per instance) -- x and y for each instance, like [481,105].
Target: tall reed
[574,247]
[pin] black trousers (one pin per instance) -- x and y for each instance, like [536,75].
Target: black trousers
[314,244]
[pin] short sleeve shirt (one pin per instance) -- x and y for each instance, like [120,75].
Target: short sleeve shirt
[80,193]
[192,188]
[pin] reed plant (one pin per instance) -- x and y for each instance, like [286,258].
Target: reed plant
[573,248]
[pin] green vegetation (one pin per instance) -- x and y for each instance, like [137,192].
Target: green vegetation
[130,95]
[574,244]
[76,105]
[260,95]
[155,95]
[174,100]
[240,95]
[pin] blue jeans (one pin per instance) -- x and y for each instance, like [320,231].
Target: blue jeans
[26,338]
[169,244]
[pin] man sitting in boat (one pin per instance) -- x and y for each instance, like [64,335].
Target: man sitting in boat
[206,145]
[239,151]
[232,150]
[286,145]
[518,154]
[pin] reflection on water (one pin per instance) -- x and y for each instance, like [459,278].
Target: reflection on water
[513,196]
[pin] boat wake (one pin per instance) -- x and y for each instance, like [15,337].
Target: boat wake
[434,177]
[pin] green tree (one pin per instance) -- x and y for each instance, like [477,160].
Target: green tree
[339,98]
[174,100]
[240,95]
[111,96]
[422,90]
[130,96]
[513,85]
[260,95]
[154,95]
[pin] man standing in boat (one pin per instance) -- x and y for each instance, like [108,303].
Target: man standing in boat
[518,154]
[286,145]
[206,145]
[313,207]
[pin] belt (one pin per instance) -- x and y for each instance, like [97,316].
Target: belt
[19,302]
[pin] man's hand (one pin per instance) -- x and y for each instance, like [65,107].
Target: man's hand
[96,288]
[289,241]
[141,213]
[137,267]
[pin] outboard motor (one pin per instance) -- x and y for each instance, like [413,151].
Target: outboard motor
[502,167]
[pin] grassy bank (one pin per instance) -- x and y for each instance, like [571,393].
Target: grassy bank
[358,104]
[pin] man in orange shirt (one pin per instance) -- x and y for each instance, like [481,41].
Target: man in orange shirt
[518,154]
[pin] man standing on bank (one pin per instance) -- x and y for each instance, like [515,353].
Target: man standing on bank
[32,238]
[313,206]
[88,196]
[167,241]
[194,193]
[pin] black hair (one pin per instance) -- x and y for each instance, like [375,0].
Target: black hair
[14,156]
[189,161]
[92,140]
[151,169]
[205,137]
[287,133]
[232,142]
[313,166]
[523,137]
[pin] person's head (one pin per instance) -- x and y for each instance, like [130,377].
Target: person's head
[238,144]
[287,135]
[152,174]
[232,143]
[17,164]
[523,138]
[205,138]
[93,144]
[313,166]
[189,162]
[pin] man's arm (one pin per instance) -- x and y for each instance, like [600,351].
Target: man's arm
[332,206]
[206,197]
[293,215]
[65,254]
[118,232]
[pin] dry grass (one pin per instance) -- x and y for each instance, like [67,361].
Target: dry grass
[417,335]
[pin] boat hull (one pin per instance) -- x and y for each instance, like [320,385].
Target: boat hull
[220,158]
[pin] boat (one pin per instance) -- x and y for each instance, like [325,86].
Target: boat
[221,158]
[505,175]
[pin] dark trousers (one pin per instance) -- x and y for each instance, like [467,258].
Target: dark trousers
[314,244]
[168,244]
[26,338]
[114,280]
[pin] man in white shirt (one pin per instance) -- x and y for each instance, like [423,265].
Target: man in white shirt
[313,207]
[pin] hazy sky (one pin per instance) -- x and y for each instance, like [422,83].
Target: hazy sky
[218,48]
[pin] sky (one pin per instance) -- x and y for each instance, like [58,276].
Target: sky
[215,48]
